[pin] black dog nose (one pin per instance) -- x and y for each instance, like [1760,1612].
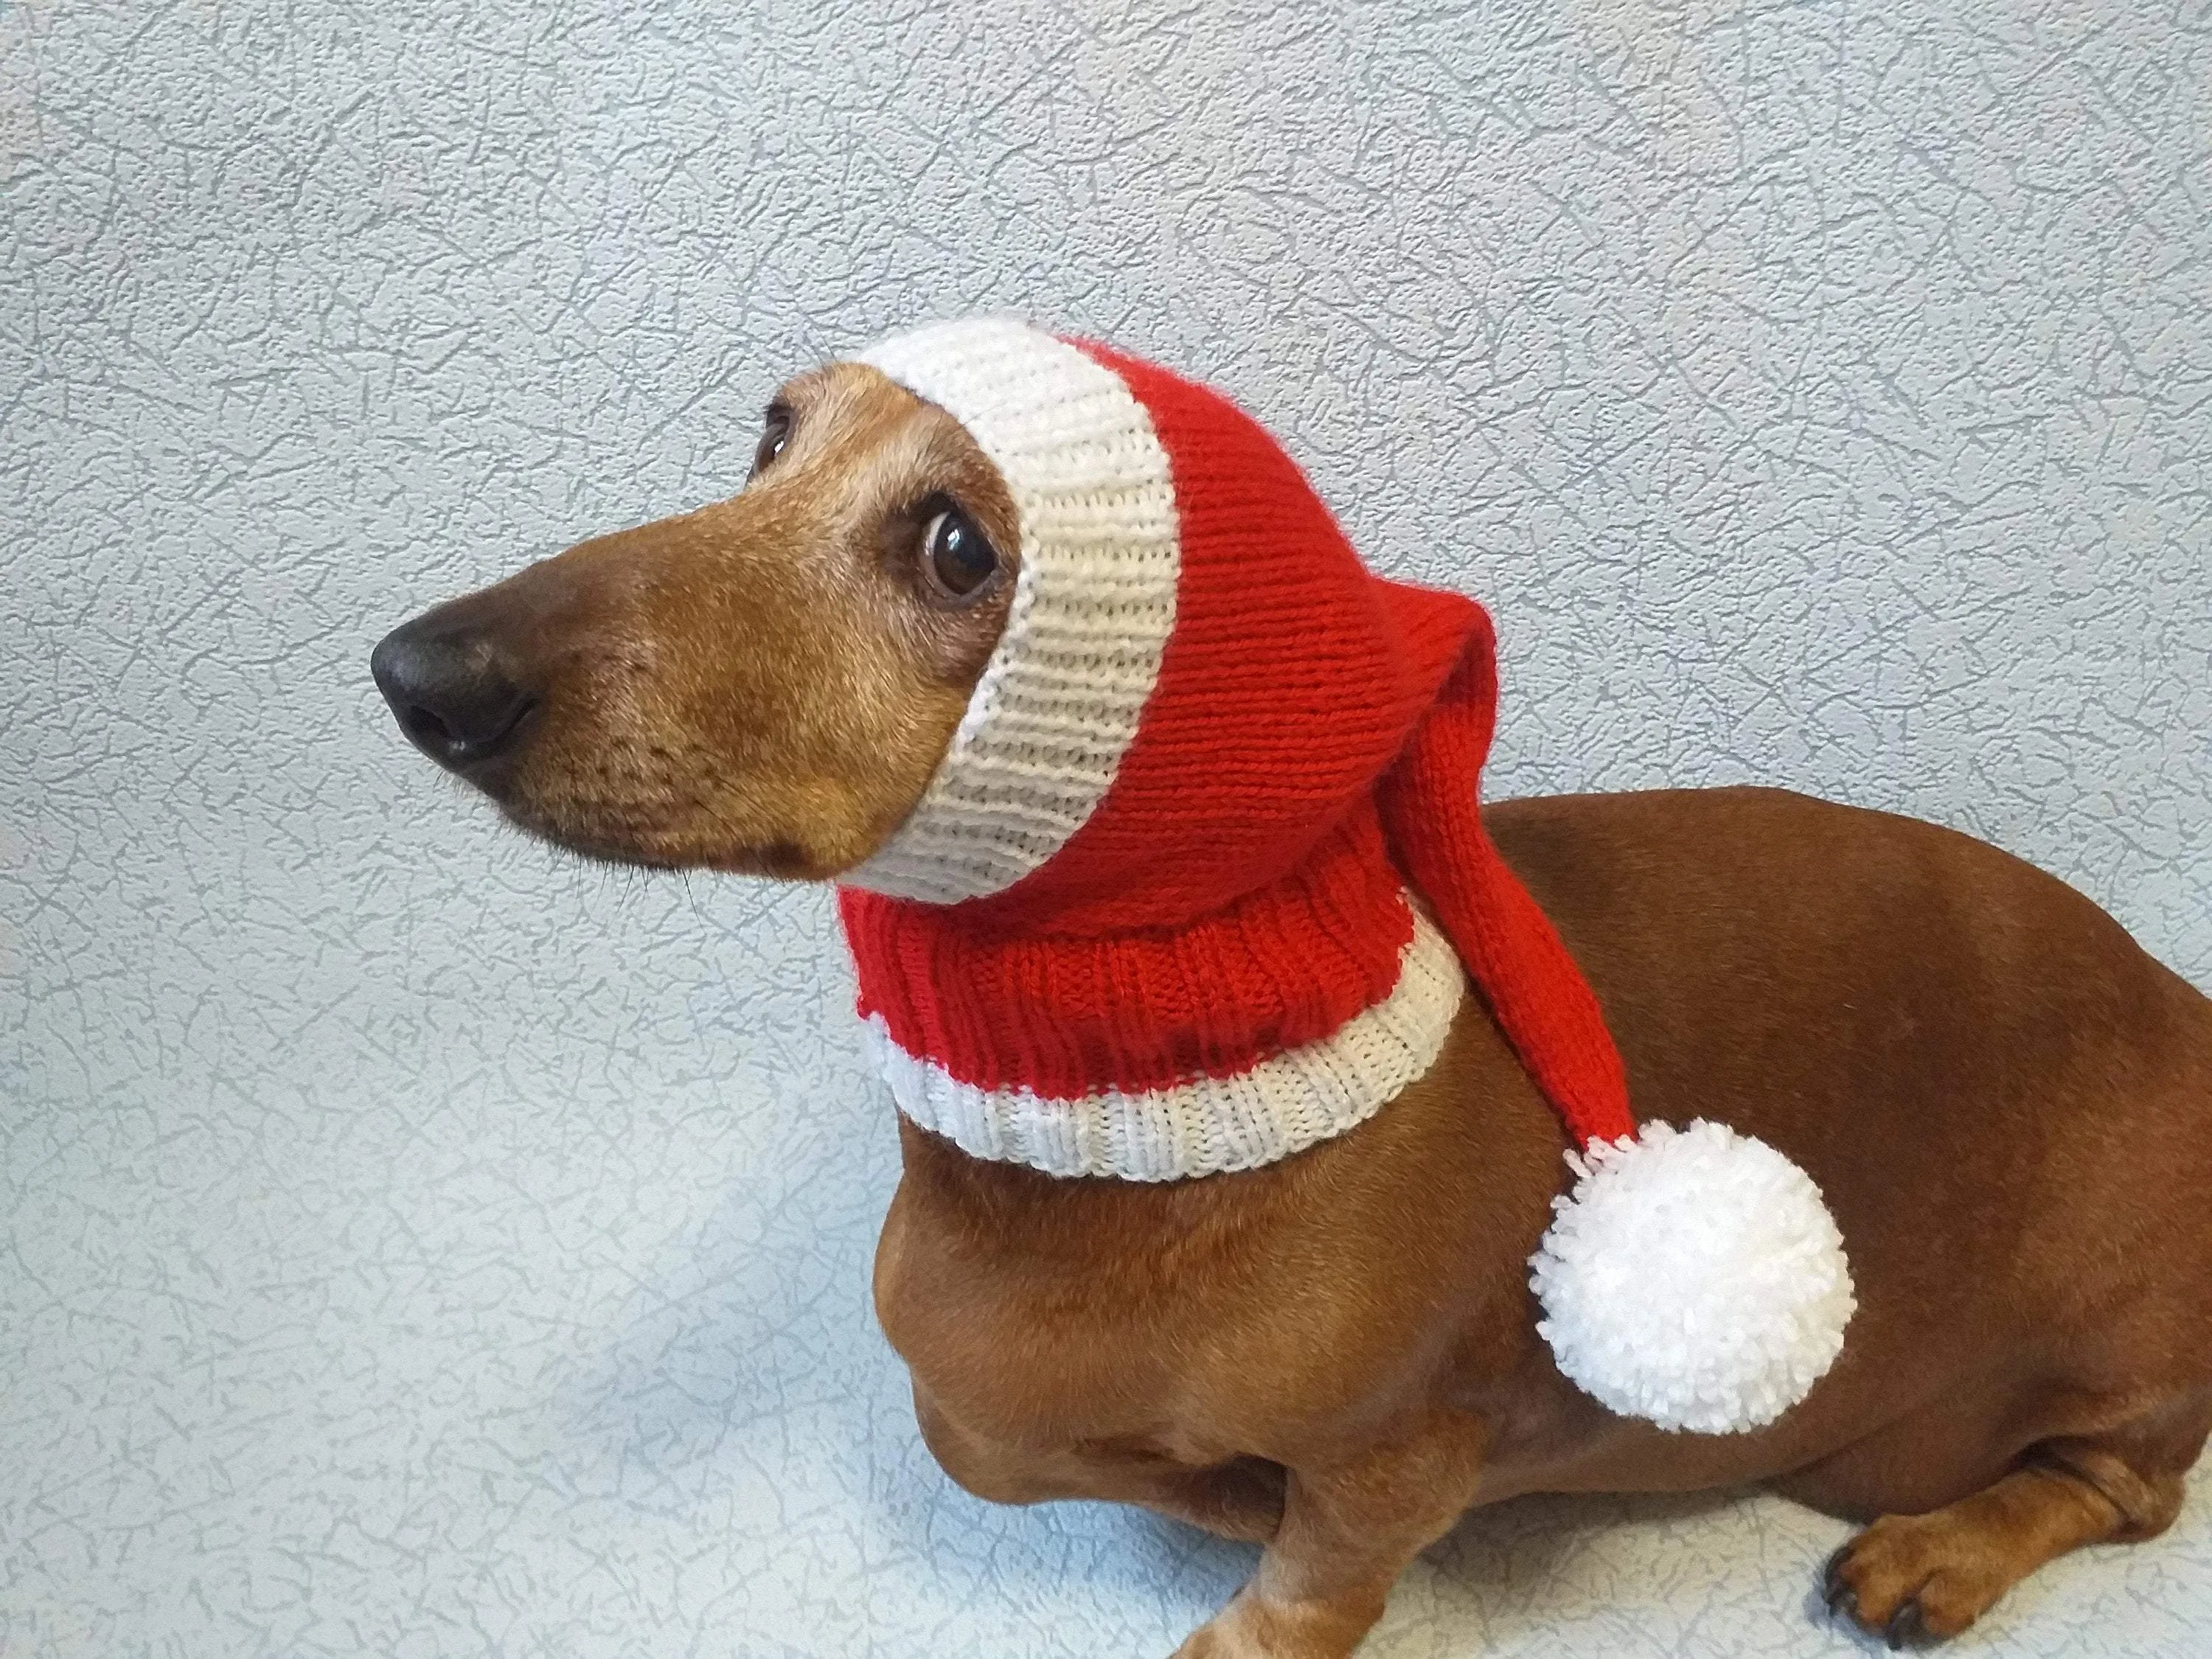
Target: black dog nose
[450,693]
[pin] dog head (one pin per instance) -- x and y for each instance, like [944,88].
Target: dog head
[765,685]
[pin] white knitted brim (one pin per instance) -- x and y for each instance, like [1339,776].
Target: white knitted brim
[1693,1278]
[1286,1103]
[1093,605]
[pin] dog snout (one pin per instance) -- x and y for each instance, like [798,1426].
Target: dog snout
[452,691]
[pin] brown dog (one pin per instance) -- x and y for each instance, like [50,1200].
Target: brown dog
[2005,1101]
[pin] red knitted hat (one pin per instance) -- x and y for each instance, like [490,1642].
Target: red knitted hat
[1151,920]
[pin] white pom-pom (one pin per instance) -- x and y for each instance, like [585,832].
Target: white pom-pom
[1692,1277]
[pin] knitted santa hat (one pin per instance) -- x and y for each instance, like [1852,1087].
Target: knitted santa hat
[1150,919]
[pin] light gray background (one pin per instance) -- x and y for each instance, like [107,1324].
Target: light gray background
[419,1243]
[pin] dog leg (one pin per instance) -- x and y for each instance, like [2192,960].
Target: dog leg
[1348,1529]
[1916,1578]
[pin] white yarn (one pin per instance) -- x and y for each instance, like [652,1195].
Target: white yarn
[1692,1277]
[1283,1104]
[1057,706]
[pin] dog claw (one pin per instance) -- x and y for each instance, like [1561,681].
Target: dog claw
[1905,1628]
[1839,1596]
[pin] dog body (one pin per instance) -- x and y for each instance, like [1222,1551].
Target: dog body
[2003,1100]
[1986,1075]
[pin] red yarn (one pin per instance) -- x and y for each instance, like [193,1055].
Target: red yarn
[1235,893]
[1540,998]
[1065,1014]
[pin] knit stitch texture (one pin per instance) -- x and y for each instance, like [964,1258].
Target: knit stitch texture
[1150,919]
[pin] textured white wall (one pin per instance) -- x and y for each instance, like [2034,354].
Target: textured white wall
[416,1243]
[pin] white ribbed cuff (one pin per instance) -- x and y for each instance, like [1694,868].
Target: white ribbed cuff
[1285,1104]
[1093,605]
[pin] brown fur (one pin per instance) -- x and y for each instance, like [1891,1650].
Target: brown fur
[2005,1101]
[751,687]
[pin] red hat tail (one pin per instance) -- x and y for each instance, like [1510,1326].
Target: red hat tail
[1542,1002]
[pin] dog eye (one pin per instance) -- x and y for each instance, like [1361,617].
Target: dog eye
[957,558]
[776,433]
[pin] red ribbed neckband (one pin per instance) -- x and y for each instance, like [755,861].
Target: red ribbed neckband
[1000,1000]
[1313,746]
[999,1003]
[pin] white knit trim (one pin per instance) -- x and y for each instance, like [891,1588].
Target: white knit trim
[1093,605]
[1282,1105]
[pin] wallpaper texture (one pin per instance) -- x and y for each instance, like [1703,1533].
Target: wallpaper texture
[414,1243]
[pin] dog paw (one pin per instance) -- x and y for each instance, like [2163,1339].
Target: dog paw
[1216,1639]
[1912,1580]
[1227,1639]
[1249,1628]
[1202,1643]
